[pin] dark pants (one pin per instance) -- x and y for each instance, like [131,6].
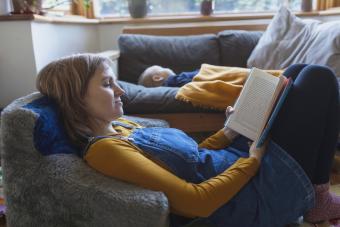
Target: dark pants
[307,127]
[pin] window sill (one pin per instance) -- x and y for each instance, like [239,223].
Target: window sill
[161,19]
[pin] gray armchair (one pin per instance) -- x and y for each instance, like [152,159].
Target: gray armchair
[60,189]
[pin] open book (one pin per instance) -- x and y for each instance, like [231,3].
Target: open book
[258,104]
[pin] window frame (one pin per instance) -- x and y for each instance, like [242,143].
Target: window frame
[96,7]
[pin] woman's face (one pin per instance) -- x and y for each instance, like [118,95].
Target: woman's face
[102,98]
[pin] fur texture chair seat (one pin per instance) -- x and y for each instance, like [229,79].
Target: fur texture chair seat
[60,189]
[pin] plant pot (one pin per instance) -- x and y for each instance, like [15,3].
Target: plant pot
[27,6]
[206,7]
[306,5]
[137,8]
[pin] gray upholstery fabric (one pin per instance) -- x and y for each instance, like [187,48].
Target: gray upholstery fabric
[61,190]
[230,48]
[179,53]
[139,99]
[148,122]
[289,39]
[236,46]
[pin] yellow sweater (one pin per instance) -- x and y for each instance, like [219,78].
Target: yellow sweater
[216,87]
[122,160]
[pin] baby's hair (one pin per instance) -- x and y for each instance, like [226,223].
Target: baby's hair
[65,80]
[147,77]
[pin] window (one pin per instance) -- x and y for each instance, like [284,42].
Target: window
[57,7]
[119,8]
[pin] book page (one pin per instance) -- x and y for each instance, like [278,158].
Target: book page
[253,104]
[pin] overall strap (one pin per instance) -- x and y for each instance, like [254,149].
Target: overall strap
[93,139]
[125,125]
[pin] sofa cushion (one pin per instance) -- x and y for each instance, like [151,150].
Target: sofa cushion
[179,53]
[236,46]
[289,39]
[141,100]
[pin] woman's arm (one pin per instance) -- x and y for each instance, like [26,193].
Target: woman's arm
[222,138]
[217,141]
[123,161]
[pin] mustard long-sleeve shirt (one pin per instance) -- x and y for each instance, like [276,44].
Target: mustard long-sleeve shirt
[122,160]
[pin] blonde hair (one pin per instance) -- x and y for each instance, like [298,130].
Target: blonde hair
[65,80]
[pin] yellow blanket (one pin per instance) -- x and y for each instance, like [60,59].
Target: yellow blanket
[216,87]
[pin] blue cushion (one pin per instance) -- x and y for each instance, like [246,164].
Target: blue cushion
[49,132]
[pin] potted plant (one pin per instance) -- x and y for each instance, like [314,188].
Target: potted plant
[87,8]
[27,6]
[137,8]
[207,7]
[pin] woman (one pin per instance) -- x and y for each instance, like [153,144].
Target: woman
[218,180]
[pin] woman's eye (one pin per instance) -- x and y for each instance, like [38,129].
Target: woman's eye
[108,84]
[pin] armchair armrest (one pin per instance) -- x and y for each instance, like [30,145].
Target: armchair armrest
[87,198]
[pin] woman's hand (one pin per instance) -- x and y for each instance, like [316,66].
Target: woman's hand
[258,152]
[229,133]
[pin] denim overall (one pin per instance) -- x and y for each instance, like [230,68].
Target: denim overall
[279,193]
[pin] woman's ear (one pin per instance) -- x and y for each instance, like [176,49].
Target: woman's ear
[157,78]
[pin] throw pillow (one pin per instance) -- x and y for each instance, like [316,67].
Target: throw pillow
[49,133]
[289,39]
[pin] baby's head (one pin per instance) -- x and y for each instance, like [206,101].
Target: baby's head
[154,76]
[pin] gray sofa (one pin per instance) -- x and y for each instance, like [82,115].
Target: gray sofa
[180,53]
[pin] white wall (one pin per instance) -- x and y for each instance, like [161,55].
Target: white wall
[27,46]
[17,63]
[108,36]
[52,41]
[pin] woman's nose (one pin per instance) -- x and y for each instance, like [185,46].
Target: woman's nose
[118,91]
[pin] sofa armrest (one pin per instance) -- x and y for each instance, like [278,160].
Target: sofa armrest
[97,200]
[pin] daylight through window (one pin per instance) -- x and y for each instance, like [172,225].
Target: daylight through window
[114,8]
